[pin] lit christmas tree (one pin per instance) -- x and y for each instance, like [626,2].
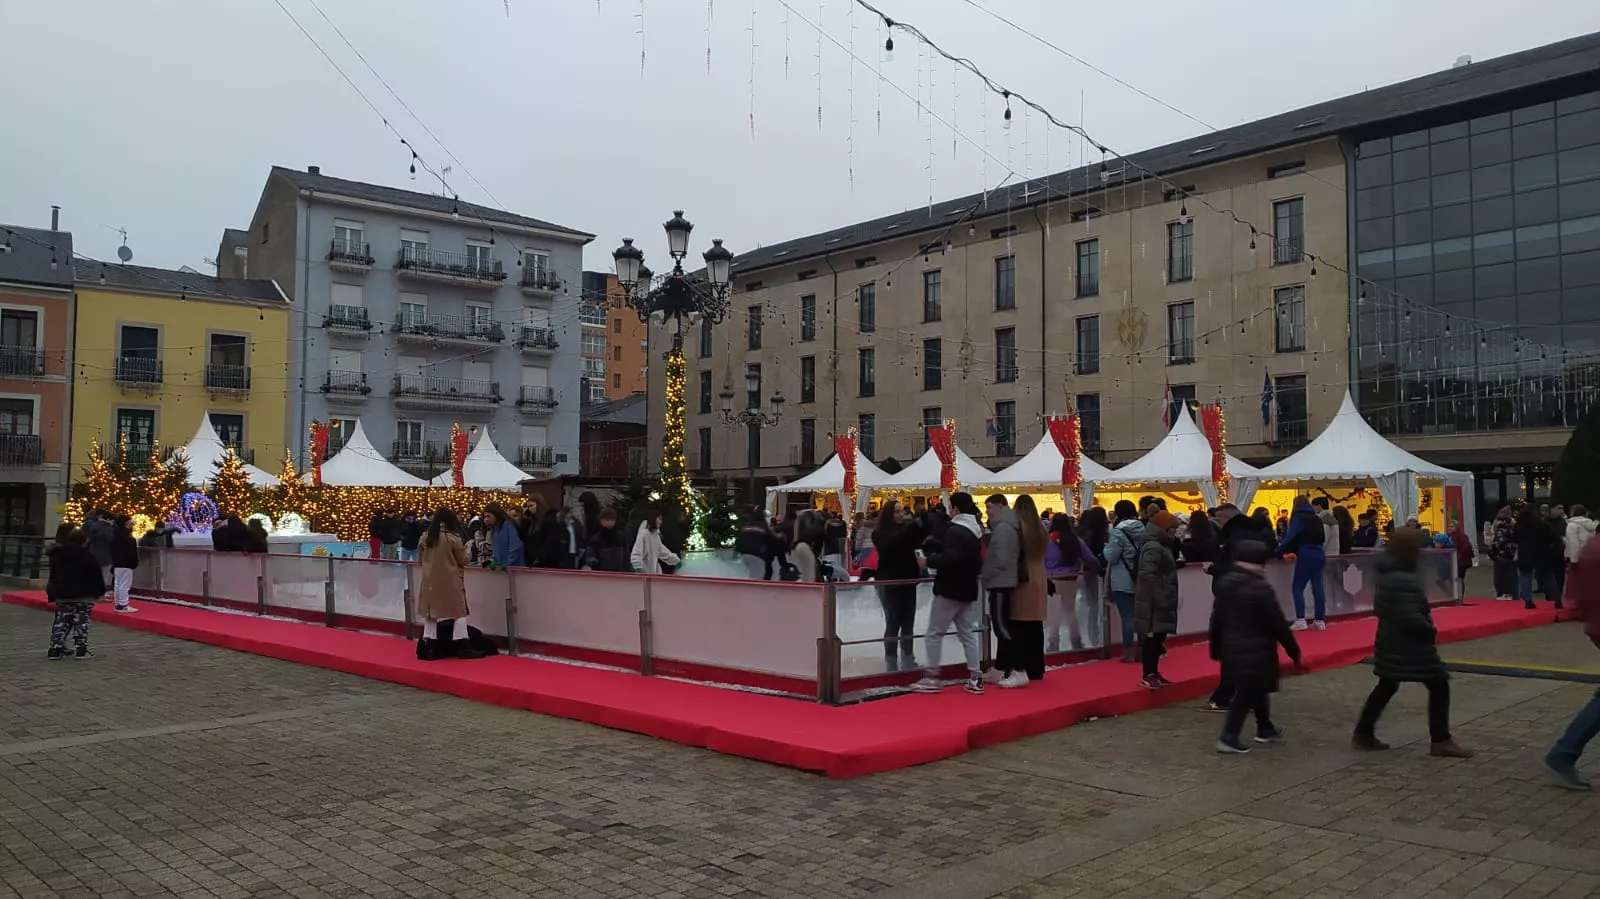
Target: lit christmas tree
[106,486]
[290,494]
[230,486]
[166,484]
[717,521]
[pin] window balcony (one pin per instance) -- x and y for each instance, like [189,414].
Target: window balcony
[227,380]
[346,386]
[350,256]
[460,329]
[347,320]
[536,458]
[1291,434]
[423,458]
[536,400]
[461,269]
[536,341]
[539,282]
[139,372]
[21,361]
[427,392]
[21,450]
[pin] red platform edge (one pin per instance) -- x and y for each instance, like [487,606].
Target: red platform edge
[848,741]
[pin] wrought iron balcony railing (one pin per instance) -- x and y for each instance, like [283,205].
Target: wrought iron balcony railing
[21,361]
[540,279]
[536,456]
[351,253]
[228,378]
[531,337]
[138,370]
[455,265]
[429,387]
[450,327]
[351,382]
[349,318]
[21,449]
[537,397]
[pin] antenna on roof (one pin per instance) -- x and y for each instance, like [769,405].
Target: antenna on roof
[123,253]
[444,189]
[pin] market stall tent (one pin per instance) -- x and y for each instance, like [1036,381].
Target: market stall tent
[924,474]
[483,468]
[207,449]
[359,464]
[829,478]
[1350,452]
[1041,469]
[1181,459]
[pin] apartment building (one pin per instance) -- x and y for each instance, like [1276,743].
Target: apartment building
[1222,278]
[35,384]
[615,342]
[156,349]
[413,312]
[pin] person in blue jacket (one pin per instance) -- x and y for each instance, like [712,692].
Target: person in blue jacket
[505,543]
[1304,538]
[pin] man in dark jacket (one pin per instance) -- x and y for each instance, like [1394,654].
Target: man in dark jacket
[1247,627]
[97,533]
[956,565]
[411,528]
[75,584]
[1305,538]
[124,560]
[607,550]
[1232,529]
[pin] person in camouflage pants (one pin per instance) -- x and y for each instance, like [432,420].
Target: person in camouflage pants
[73,618]
[76,582]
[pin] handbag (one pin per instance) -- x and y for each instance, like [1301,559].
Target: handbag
[788,571]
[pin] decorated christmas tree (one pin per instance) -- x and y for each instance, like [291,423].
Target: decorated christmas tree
[166,484]
[230,486]
[290,494]
[717,521]
[640,492]
[107,485]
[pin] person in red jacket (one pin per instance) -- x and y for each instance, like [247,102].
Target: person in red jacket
[1583,588]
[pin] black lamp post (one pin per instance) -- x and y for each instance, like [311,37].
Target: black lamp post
[752,418]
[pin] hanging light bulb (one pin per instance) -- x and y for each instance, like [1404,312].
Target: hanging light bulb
[491,237]
[1105,174]
[1313,265]
[1252,238]
[455,207]
[888,43]
[1447,326]
[1483,340]
[1408,315]
[1007,117]
[102,273]
[1183,213]
[972,230]
[8,240]
[53,262]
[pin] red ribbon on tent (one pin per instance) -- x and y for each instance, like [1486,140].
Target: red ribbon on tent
[1216,431]
[319,449]
[1065,434]
[458,454]
[943,440]
[845,447]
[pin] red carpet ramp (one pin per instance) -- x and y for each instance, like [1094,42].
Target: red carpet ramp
[841,742]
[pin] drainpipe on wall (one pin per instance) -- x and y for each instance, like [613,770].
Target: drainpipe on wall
[834,362]
[304,222]
[1044,333]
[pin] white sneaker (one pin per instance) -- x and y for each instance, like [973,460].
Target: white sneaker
[927,685]
[1319,625]
[125,609]
[993,676]
[1016,681]
[1299,625]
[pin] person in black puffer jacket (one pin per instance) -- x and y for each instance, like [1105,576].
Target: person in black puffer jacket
[956,565]
[75,584]
[1532,537]
[1247,627]
[896,538]
[124,560]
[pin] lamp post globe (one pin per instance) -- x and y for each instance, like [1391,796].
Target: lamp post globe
[678,229]
[719,264]
[629,259]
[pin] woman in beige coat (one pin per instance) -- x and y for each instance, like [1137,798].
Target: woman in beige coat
[1030,602]
[442,595]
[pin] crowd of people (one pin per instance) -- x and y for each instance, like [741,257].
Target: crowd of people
[1531,548]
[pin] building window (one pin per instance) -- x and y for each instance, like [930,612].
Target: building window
[869,371]
[593,345]
[705,392]
[867,435]
[867,306]
[19,329]
[932,363]
[808,317]
[1289,310]
[616,381]
[1088,405]
[480,256]
[1289,231]
[413,244]
[1182,398]
[340,430]
[594,315]
[753,329]
[1180,333]
[229,428]
[932,296]
[1088,361]
[616,326]
[138,427]
[1005,428]
[1005,282]
[1180,251]
[413,310]
[808,441]
[616,354]
[1005,354]
[808,379]
[932,417]
[704,449]
[705,338]
[16,417]
[1088,279]
[1289,396]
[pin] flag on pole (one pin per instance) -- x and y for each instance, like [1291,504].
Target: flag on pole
[1266,398]
[1166,405]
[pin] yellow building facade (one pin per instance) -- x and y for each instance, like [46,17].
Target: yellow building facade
[154,350]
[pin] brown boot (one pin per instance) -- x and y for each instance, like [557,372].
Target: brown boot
[1367,744]
[1449,749]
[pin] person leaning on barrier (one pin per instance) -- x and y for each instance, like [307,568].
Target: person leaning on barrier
[124,559]
[607,550]
[442,593]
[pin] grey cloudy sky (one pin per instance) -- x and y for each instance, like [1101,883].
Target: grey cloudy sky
[162,116]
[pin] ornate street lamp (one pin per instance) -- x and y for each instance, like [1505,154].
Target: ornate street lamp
[681,299]
[752,418]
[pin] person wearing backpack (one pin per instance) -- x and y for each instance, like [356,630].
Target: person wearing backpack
[1122,566]
[1066,556]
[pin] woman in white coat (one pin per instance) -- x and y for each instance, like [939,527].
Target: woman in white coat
[648,549]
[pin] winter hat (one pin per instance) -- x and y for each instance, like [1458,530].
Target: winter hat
[1251,552]
[1164,520]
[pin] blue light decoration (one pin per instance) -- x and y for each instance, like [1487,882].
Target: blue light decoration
[194,514]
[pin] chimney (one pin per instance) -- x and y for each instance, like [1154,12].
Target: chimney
[313,169]
[55,218]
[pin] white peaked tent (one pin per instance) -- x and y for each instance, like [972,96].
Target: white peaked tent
[830,479]
[207,449]
[923,474]
[1041,468]
[1183,458]
[359,464]
[1349,451]
[485,468]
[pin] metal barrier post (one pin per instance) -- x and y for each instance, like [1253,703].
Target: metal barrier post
[511,612]
[205,582]
[829,650]
[986,630]
[1105,629]
[647,649]
[407,608]
[261,586]
[327,596]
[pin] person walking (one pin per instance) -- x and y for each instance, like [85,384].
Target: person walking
[957,565]
[1234,529]
[76,584]
[1122,565]
[1532,537]
[1002,566]
[1065,558]
[1502,550]
[649,552]
[896,538]
[758,546]
[1553,566]
[1155,598]
[1247,627]
[1561,761]
[1405,650]
[1029,602]
[124,559]
[442,592]
[1580,530]
[1305,539]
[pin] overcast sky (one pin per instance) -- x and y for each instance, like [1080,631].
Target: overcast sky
[162,116]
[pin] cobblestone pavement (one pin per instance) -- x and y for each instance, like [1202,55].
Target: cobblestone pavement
[164,768]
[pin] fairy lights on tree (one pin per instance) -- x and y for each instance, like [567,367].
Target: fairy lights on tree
[230,486]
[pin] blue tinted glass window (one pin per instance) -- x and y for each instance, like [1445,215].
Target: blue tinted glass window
[1533,139]
[1409,164]
[1578,130]
[1530,174]
[1536,207]
[1491,148]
